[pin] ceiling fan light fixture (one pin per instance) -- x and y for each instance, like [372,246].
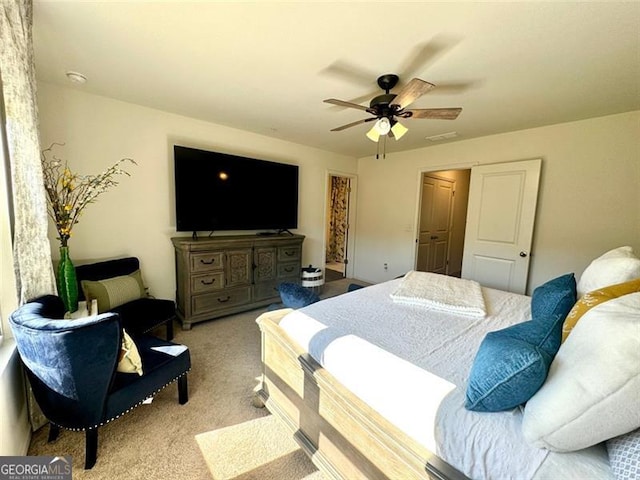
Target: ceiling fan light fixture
[399,130]
[373,134]
[383,126]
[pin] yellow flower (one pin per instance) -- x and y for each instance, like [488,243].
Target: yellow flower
[69,193]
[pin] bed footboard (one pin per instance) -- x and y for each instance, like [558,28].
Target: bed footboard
[344,437]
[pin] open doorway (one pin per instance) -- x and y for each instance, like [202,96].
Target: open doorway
[490,216]
[337,241]
[442,218]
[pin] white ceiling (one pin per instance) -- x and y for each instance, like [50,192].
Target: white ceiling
[266,66]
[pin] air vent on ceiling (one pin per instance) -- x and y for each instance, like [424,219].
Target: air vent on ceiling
[442,136]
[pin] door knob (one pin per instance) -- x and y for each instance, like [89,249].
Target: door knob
[523,254]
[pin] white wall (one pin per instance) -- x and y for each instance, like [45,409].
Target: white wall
[15,430]
[589,198]
[137,217]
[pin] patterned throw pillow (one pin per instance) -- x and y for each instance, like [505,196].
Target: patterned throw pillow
[592,299]
[113,292]
[624,455]
[130,360]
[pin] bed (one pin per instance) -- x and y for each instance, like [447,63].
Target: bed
[373,387]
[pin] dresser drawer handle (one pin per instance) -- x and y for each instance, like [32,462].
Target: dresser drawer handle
[289,253]
[213,260]
[288,269]
[224,300]
[213,280]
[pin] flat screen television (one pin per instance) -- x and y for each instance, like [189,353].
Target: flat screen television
[217,191]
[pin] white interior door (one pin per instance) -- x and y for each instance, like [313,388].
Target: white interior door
[435,221]
[500,220]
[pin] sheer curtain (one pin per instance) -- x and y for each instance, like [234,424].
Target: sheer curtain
[31,249]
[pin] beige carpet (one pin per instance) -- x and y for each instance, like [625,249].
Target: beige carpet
[217,435]
[260,448]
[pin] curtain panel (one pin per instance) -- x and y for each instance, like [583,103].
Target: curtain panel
[338,221]
[32,251]
[31,248]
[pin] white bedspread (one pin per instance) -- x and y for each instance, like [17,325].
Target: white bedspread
[440,292]
[366,340]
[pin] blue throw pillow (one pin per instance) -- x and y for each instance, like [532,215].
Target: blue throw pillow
[296,296]
[556,297]
[512,364]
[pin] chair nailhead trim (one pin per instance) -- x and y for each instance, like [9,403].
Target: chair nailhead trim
[127,411]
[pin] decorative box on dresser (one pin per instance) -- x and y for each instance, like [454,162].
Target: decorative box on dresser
[217,276]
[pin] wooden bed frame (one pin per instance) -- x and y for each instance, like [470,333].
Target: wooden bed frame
[344,437]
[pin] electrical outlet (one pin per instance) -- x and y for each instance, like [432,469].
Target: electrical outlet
[386,267]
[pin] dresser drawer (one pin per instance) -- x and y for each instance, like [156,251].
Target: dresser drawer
[207,282]
[205,262]
[210,302]
[289,269]
[289,252]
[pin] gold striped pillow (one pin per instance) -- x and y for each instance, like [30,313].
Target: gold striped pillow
[596,297]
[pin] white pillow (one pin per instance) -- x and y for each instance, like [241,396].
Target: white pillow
[592,390]
[615,266]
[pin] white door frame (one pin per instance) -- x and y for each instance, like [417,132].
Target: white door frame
[351,238]
[431,170]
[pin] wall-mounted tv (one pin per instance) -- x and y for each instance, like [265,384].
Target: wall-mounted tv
[217,191]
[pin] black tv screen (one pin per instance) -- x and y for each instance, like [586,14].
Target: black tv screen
[218,191]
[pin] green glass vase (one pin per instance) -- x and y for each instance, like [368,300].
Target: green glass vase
[67,282]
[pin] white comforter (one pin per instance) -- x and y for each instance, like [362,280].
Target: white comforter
[412,365]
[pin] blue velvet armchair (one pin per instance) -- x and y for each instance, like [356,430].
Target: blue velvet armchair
[72,368]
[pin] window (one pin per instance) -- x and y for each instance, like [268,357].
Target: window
[8,293]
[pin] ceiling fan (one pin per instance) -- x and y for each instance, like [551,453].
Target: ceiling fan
[389,107]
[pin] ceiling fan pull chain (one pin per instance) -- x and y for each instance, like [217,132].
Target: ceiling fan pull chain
[384,147]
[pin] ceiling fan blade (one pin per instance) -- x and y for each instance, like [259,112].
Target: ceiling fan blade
[351,72]
[411,91]
[436,113]
[366,97]
[426,53]
[342,103]
[353,124]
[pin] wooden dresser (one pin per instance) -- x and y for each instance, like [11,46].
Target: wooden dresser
[217,276]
